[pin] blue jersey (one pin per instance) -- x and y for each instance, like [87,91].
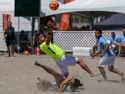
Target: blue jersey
[118,39]
[102,43]
[97,41]
[113,39]
[122,39]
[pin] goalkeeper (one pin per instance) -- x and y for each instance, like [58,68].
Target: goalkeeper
[56,53]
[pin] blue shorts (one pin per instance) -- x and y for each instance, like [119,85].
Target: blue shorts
[65,61]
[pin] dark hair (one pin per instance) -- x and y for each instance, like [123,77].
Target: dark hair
[77,83]
[112,32]
[37,36]
[100,31]
[22,31]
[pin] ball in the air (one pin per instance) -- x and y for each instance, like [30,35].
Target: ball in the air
[54,5]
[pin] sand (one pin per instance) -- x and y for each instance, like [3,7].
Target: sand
[18,75]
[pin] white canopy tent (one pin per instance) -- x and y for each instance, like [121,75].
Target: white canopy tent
[88,6]
[7,6]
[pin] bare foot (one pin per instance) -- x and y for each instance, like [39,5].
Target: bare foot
[94,74]
[36,63]
[122,77]
[13,55]
[117,56]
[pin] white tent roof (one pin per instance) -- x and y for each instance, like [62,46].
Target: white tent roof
[7,6]
[91,5]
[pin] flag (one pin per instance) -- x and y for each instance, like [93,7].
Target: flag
[6,19]
[65,18]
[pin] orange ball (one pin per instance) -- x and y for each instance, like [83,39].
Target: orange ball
[54,5]
[26,53]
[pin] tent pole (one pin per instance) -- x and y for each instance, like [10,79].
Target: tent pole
[18,35]
[32,35]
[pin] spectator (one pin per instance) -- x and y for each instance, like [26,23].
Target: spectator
[113,40]
[23,40]
[87,27]
[22,36]
[121,42]
[9,37]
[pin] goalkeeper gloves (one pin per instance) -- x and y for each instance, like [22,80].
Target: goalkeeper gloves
[49,27]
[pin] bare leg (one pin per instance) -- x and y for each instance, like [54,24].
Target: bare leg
[12,50]
[119,50]
[112,69]
[8,48]
[102,71]
[86,68]
[50,71]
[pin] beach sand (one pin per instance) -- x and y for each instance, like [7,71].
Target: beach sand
[18,75]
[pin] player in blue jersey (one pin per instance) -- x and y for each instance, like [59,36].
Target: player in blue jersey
[107,56]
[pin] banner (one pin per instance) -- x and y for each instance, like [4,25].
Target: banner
[6,19]
[65,18]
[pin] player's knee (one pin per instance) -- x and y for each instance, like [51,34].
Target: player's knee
[79,60]
[99,67]
[110,69]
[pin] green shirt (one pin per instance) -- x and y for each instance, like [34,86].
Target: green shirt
[53,50]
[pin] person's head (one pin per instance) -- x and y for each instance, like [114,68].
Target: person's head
[9,24]
[113,34]
[40,37]
[98,33]
[123,32]
[75,83]
[22,32]
[87,27]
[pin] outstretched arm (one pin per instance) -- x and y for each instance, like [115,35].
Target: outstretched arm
[64,82]
[49,27]
[49,38]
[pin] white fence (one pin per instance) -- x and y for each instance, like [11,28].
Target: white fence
[68,39]
[2,42]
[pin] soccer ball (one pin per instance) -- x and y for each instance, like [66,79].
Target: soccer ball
[54,5]
[26,53]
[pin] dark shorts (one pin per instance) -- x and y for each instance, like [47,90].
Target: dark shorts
[60,79]
[9,42]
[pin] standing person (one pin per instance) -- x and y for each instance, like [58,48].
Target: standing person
[113,40]
[62,60]
[22,39]
[70,83]
[107,56]
[121,43]
[9,37]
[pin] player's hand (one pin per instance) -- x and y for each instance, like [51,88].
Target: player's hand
[101,55]
[5,36]
[49,26]
[93,55]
